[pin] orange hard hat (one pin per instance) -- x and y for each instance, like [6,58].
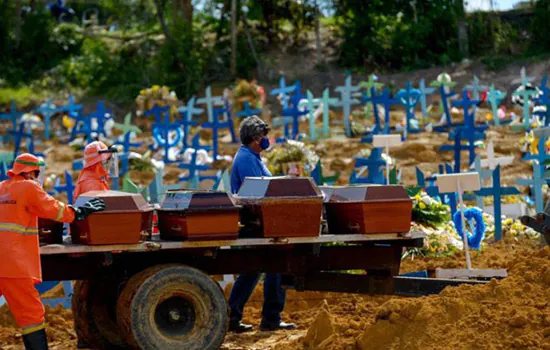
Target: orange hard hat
[92,155]
[25,163]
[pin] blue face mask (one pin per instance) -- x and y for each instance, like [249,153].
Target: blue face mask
[264,143]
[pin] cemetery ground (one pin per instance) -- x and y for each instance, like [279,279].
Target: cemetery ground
[512,313]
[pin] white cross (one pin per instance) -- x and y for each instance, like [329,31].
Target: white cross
[210,101]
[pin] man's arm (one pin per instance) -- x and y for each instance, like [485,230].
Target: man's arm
[45,206]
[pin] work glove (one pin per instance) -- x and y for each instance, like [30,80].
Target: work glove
[90,207]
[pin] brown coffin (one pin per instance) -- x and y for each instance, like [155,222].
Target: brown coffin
[198,215]
[367,209]
[280,207]
[50,231]
[127,219]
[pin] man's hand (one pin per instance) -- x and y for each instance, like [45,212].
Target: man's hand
[92,206]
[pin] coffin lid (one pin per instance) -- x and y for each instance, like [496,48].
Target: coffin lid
[116,202]
[197,200]
[278,186]
[364,193]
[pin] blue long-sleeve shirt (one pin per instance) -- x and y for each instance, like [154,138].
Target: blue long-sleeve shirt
[247,163]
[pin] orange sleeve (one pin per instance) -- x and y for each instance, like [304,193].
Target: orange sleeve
[45,206]
[87,186]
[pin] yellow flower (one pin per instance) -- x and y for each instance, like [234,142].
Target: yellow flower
[422,205]
[489,116]
[155,88]
[417,197]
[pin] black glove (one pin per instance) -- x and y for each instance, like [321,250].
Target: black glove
[92,206]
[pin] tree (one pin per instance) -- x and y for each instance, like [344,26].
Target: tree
[234,38]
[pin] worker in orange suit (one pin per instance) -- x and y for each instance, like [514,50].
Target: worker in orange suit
[22,201]
[100,163]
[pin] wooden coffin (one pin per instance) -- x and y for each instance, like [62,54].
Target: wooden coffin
[280,207]
[50,231]
[127,219]
[198,215]
[367,209]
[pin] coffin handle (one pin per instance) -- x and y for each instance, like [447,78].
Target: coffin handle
[241,225]
[45,231]
[176,228]
[354,227]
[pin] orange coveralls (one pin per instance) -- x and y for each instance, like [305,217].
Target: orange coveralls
[91,179]
[21,203]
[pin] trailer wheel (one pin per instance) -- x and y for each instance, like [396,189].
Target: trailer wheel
[172,307]
[93,306]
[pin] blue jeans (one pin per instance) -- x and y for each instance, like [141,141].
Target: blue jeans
[274,297]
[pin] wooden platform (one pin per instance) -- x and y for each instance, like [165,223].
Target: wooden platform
[157,244]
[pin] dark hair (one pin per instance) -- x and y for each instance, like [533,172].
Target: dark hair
[251,128]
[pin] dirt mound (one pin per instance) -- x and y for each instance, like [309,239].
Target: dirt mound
[509,314]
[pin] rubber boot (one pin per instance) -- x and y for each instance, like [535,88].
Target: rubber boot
[36,340]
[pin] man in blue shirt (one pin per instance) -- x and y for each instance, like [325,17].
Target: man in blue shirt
[248,163]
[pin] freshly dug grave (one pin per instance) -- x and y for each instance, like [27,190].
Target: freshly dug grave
[510,314]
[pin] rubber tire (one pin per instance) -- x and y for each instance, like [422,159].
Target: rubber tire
[146,290]
[94,320]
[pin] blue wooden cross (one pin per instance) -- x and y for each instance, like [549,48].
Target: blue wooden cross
[247,111]
[320,179]
[327,102]
[368,85]
[100,115]
[217,125]
[525,95]
[311,104]
[13,116]
[544,100]
[47,110]
[187,121]
[283,90]
[469,132]
[20,135]
[82,126]
[3,171]
[162,128]
[68,187]
[409,97]
[539,162]
[475,88]
[428,184]
[347,101]
[374,164]
[210,102]
[497,191]
[424,92]
[71,106]
[495,97]
[193,177]
[6,159]
[293,112]
[443,86]
[384,99]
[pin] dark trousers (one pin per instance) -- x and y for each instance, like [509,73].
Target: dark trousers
[274,297]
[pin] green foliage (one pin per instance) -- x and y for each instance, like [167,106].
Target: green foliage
[540,26]
[21,96]
[393,34]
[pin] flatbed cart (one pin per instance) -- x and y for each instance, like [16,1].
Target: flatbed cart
[159,295]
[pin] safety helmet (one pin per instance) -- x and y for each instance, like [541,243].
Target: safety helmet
[26,163]
[93,154]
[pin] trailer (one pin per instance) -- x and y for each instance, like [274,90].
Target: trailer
[159,294]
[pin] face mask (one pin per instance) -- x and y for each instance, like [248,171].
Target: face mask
[264,143]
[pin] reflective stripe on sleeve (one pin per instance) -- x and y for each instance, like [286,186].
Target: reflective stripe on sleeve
[61,211]
[11,227]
